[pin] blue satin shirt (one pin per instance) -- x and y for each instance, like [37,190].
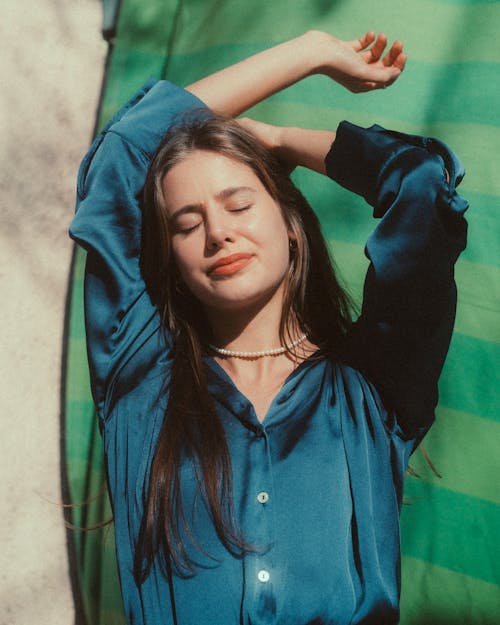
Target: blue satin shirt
[318,484]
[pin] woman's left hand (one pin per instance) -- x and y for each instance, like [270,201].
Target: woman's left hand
[358,65]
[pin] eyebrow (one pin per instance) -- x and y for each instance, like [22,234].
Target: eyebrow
[220,196]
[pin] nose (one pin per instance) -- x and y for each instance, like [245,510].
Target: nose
[218,231]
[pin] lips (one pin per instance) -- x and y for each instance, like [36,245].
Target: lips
[229,264]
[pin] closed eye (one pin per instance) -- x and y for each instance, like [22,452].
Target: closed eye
[187,229]
[240,209]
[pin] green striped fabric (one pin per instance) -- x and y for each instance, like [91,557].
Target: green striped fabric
[450,89]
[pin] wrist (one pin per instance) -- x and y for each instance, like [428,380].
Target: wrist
[317,48]
[280,137]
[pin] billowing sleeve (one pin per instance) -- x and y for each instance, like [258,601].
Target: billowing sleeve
[119,316]
[402,336]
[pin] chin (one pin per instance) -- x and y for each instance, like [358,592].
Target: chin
[238,299]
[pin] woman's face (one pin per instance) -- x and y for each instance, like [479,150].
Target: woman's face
[229,238]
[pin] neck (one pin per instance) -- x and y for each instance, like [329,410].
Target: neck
[250,329]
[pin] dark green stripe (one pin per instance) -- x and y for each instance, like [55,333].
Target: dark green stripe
[146,27]
[462,536]
[471,377]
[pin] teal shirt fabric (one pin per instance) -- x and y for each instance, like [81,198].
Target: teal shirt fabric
[318,484]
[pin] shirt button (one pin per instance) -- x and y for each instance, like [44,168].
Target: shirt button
[263,497]
[263,576]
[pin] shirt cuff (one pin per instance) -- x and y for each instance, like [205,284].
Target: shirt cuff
[356,156]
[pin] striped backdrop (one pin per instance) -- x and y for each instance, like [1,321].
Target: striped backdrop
[450,89]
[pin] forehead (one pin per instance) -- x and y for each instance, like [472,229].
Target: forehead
[203,175]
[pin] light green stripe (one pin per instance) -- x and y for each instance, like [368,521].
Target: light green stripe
[484,229]
[78,385]
[433,595]
[79,264]
[444,26]
[463,536]
[467,2]
[454,439]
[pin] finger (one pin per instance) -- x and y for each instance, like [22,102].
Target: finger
[363,42]
[381,78]
[369,86]
[400,62]
[394,76]
[375,52]
[394,52]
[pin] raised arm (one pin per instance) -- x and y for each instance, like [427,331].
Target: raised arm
[357,65]
[402,336]
[401,339]
[120,318]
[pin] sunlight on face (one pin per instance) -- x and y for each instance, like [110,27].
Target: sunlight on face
[229,238]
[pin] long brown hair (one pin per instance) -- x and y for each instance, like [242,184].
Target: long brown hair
[313,300]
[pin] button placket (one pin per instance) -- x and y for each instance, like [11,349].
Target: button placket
[259,565]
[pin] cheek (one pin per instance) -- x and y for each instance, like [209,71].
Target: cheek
[186,258]
[277,241]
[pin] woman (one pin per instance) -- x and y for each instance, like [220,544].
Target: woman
[256,440]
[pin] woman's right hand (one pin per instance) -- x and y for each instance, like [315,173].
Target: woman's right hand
[293,146]
[357,65]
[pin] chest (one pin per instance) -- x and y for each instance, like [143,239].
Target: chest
[305,481]
[259,386]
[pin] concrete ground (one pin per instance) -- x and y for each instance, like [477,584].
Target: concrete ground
[51,65]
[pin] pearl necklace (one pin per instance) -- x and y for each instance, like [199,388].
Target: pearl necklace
[265,352]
